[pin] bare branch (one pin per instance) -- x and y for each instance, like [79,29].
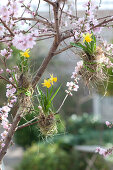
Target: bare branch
[50,2]
[46,38]
[76,8]
[61,12]
[26,124]
[7,27]
[1,77]
[35,19]
[61,104]
[55,9]
[70,15]
[105,17]
[102,23]
[63,49]
[37,7]
[44,64]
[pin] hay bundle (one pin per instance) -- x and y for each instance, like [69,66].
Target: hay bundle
[23,81]
[93,70]
[25,91]
[47,124]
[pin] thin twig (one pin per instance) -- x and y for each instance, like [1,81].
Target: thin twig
[63,49]
[27,125]
[31,27]
[62,104]
[102,23]
[34,19]
[44,64]
[45,38]
[56,19]
[104,17]
[76,8]
[50,2]
[61,13]
[7,27]
[37,7]
[24,125]
[1,77]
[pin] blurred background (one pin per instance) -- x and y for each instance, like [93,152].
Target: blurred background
[81,125]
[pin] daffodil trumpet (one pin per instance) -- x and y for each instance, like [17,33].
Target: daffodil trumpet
[25,53]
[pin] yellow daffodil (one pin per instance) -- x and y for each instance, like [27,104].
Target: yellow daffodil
[87,37]
[46,83]
[26,53]
[52,79]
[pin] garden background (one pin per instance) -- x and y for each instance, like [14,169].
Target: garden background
[81,122]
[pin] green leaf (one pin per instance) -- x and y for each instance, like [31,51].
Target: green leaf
[40,96]
[92,46]
[56,93]
[28,93]
[15,79]
[51,92]
[78,45]
[94,38]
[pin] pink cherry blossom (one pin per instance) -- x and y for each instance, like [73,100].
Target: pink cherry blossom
[5,124]
[2,145]
[35,33]
[3,52]
[10,92]
[8,70]
[4,13]
[108,123]
[75,88]
[5,109]
[1,71]
[24,42]
[4,134]
[9,86]
[101,151]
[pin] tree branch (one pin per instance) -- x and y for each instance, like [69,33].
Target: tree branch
[44,64]
[26,124]
[7,27]
[1,77]
[19,113]
[102,23]
[63,49]
[11,133]
[35,19]
[55,9]
[50,2]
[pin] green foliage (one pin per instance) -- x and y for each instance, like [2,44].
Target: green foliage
[88,130]
[44,156]
[23,64]
[88,48]
[46,100]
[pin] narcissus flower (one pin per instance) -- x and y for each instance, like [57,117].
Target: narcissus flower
[26,53]
[46,83]
[52,79]
[87,37]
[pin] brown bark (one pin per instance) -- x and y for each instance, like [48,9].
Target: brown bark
[44,64]
[11,132]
